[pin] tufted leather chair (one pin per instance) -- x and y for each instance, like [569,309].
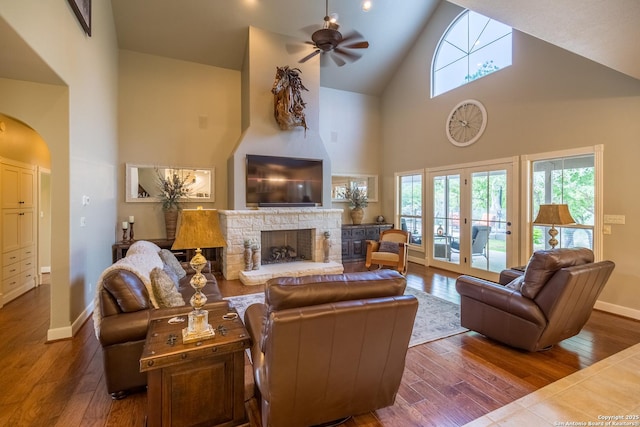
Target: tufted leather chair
[326,347]
[535,309]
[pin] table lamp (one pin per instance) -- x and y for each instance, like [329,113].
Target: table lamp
[198,228]
[554,214]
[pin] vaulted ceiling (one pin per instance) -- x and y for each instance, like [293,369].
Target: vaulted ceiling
[215,32]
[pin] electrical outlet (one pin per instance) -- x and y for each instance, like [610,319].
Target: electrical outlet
[606,229]
[83,221]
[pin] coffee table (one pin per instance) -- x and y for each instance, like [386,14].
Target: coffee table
[199,383]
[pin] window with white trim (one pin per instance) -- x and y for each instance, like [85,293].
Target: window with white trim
[410,207]
[472,47]
[569,180]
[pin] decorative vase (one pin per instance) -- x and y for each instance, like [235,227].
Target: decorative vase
[356,215]
[255,257]
[170,223]
[247,256]
[326,245]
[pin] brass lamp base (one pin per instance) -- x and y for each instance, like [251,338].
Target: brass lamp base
[553,242]
[199,328]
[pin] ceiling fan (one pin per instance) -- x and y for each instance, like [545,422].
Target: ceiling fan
[328,40]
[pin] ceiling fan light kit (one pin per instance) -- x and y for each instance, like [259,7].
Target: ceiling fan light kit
[331,41]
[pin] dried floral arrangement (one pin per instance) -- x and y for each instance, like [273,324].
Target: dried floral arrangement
[173,188]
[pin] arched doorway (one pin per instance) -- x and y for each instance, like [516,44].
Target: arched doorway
[24,154]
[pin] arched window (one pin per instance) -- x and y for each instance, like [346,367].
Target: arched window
[472,47]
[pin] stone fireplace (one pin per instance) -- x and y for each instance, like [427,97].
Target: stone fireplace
[303,226]
[261,135]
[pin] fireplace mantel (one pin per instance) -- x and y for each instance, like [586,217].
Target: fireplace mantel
[237,226]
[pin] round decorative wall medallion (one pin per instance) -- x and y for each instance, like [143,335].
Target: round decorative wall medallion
[466,123]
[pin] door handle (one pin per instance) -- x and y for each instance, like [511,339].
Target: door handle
[507,232]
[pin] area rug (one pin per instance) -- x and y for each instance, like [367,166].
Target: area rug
[436,318]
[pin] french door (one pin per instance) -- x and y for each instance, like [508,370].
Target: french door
[472,218]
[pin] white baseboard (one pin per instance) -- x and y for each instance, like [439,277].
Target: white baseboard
[617,309]
[417,260]
[69,331]
[59,334]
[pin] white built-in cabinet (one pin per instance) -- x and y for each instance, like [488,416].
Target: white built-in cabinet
[18,229]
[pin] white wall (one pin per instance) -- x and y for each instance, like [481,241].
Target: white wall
[173,113]
[262,135]
[78,123]
[548,100]
[350,126]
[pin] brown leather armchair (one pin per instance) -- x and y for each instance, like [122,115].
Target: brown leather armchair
[549,302]
[326,347]
[391,250]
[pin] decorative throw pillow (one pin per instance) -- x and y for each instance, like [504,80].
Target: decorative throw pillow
[169,259]
[164,289]
[515,284]
[172,275]
[386,246]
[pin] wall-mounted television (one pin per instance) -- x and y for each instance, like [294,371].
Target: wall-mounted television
[283,181]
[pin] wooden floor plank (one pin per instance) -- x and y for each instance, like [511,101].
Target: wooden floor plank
[447,382]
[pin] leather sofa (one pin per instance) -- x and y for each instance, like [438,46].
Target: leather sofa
[326,347]
[551,300]
[122,310]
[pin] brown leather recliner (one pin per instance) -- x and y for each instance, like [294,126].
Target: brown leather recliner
[326,347]
[549,302]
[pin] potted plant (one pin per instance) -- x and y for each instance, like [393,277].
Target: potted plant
[173,187]
[358,200]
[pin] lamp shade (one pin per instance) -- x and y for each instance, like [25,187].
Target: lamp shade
[199,228]
[554,214]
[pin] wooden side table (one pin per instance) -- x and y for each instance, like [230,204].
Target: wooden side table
[119,249]
[195,384]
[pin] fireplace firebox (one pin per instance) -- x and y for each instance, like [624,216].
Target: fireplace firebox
[286,246]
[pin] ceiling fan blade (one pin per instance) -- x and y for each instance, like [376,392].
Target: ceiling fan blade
[349,56]
[308,57]
[351,36]
[356,45]
[336,58]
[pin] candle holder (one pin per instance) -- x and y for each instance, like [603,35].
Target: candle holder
[131,231]
[125,234]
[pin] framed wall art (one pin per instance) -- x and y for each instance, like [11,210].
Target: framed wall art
[82,9]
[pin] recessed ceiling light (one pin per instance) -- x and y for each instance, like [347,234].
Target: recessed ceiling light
[366,5]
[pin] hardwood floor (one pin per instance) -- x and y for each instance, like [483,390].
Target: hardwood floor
[447,382]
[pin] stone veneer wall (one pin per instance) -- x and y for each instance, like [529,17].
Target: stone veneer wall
[240,225]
